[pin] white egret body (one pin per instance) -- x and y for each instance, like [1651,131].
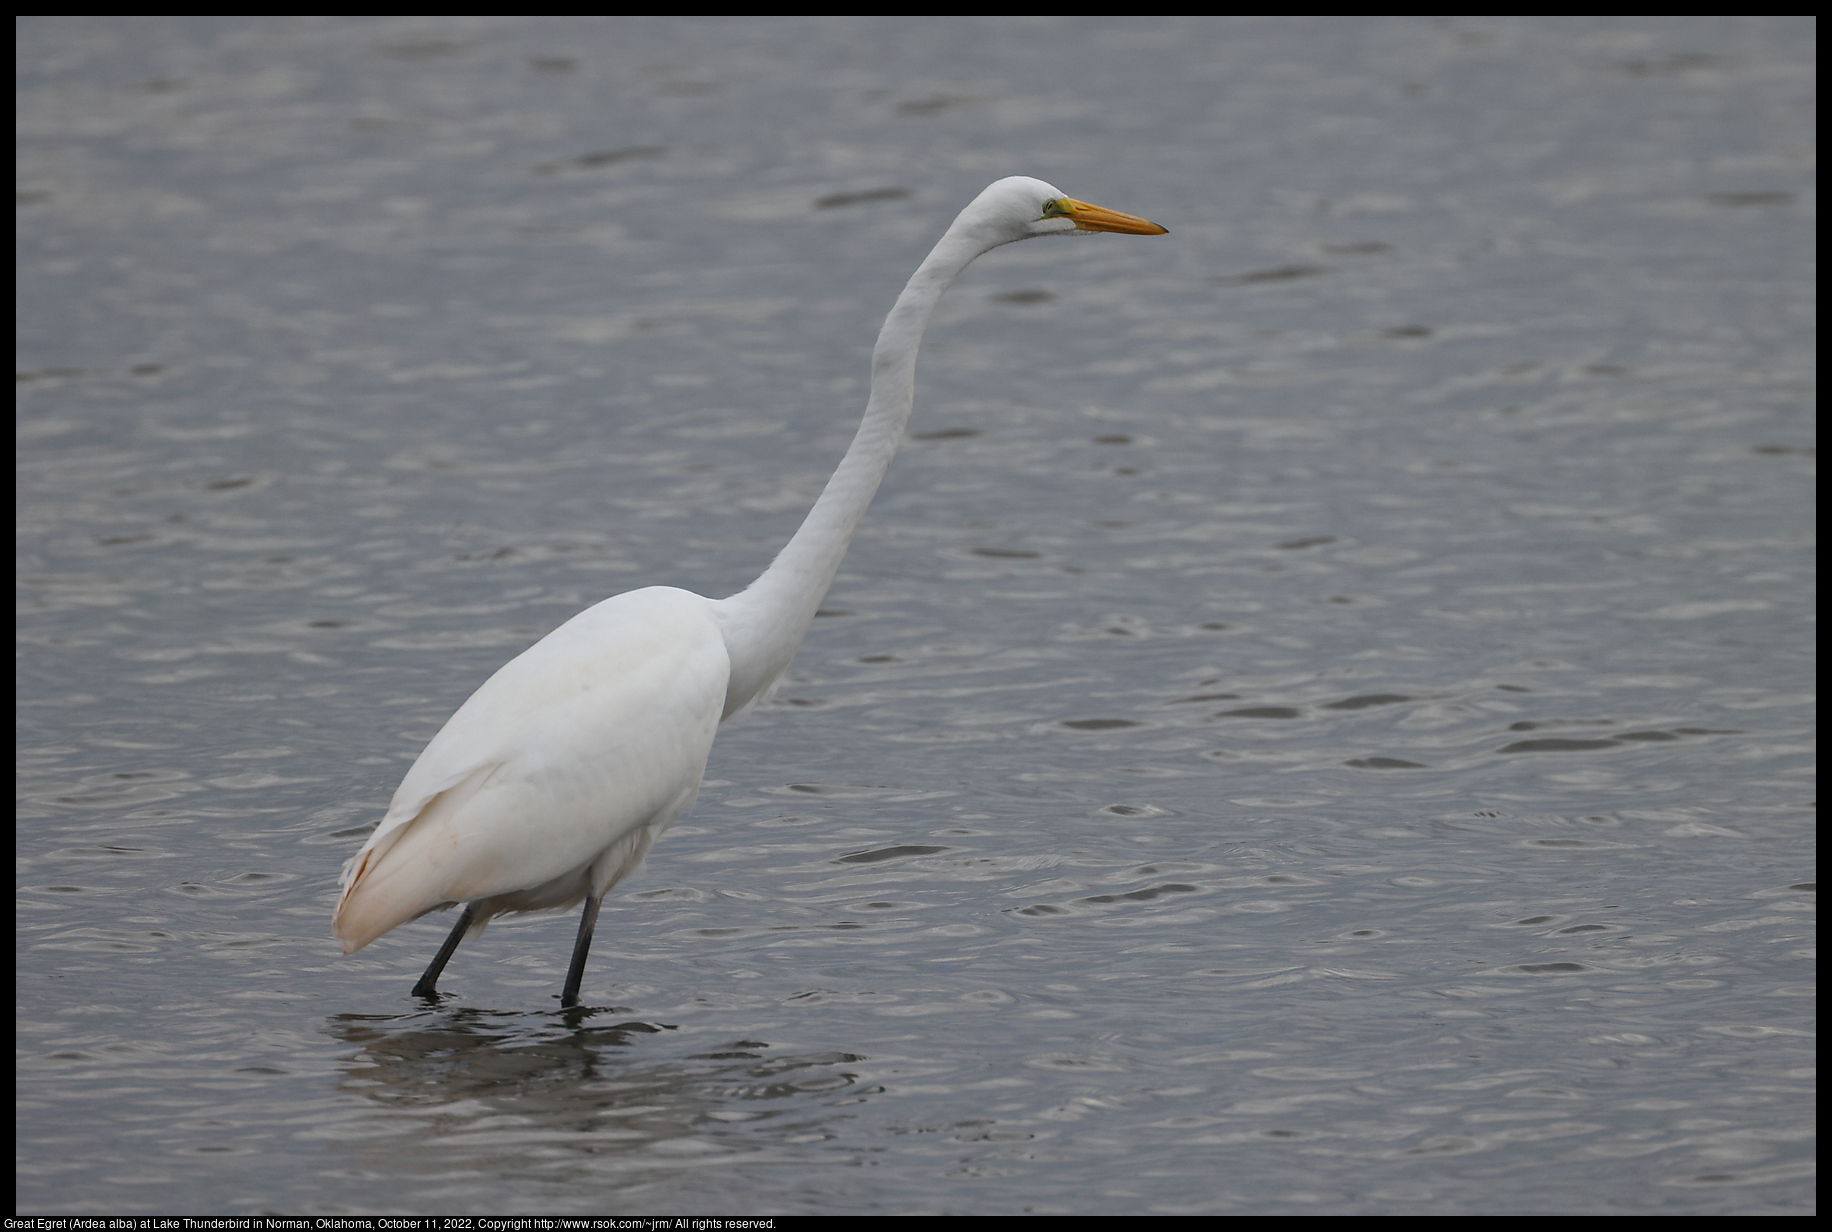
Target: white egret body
[554,779]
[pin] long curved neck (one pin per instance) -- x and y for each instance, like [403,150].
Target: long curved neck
[765,622]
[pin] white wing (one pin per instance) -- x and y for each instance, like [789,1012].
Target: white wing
[553,779]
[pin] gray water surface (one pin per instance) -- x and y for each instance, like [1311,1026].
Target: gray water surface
[1319,717]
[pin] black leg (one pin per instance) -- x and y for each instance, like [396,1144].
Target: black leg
[427,985]
[576,973]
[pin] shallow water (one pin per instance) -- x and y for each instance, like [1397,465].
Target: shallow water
[1319,717]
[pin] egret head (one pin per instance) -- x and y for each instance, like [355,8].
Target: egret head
[1020,208]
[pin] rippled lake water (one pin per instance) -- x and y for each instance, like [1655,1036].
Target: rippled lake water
[1318,719]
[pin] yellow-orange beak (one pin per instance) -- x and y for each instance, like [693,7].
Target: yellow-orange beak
[1094,218]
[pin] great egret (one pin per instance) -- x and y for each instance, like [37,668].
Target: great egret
[553,781]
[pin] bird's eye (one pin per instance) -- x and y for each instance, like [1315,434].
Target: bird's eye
[1054,208]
